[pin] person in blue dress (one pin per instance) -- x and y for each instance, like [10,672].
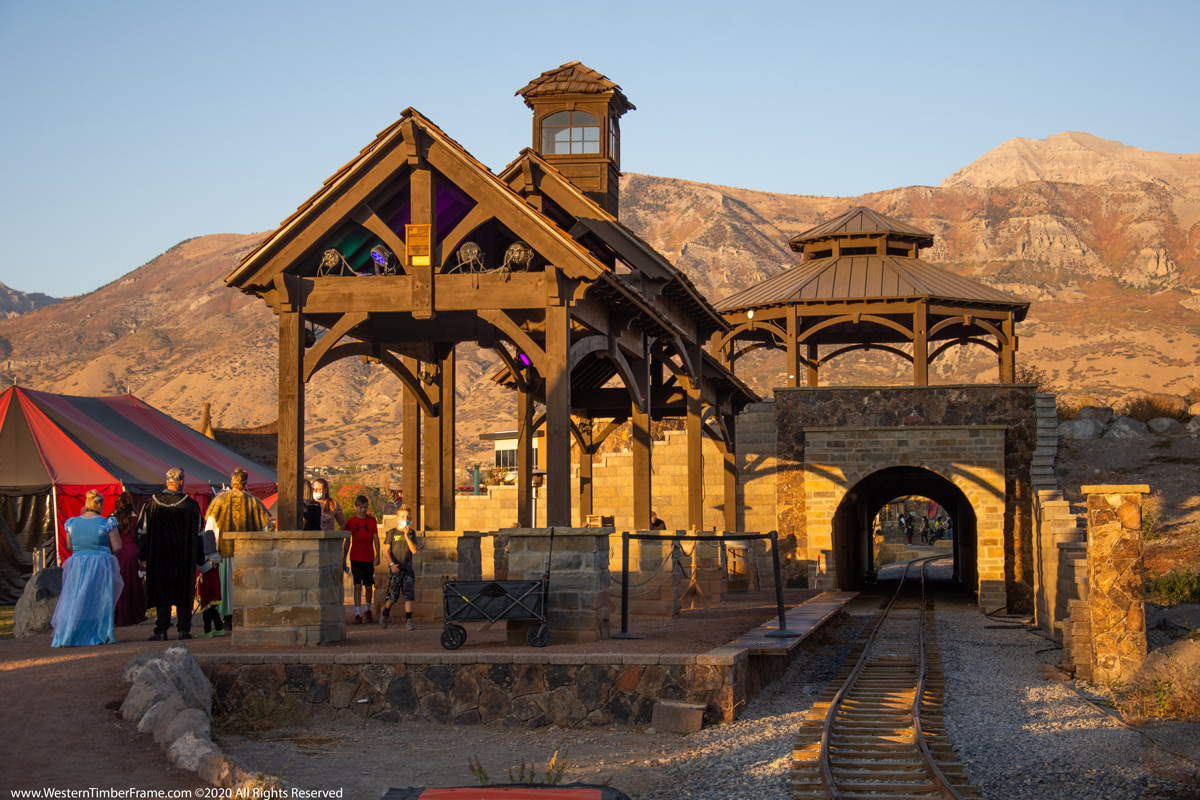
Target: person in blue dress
[91,580]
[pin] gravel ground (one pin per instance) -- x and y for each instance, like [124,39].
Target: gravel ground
[1022,737]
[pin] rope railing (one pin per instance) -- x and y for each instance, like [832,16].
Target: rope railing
[773,536]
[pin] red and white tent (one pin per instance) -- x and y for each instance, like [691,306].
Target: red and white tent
[54,448]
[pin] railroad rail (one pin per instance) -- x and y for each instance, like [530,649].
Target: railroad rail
[877,730]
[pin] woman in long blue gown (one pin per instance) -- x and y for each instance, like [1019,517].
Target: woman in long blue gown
[91,579]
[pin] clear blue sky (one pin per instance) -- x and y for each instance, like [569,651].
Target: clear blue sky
[129,126]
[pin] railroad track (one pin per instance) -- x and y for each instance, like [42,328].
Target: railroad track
[867,737]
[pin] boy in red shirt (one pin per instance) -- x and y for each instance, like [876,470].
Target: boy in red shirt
[363,550]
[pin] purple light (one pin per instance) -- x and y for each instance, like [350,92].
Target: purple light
[524,359]
[380,258]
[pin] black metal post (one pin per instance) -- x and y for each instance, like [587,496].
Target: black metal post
[783,632]
[625,634]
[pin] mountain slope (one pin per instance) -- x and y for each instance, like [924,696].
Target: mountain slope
[1109,265]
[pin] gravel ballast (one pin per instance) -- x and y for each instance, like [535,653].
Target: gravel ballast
[1019,736]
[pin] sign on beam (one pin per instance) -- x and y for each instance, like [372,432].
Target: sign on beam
[417,244]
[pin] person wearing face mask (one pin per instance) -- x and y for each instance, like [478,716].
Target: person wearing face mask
[332,517]
[312,510]
[398,548]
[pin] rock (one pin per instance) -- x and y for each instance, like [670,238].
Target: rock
[192,721]
[190,752]
[36,605]
[1102,414]
[1166,426]
[1193,410]
[1126,428]
[564,707]
[1193,425]
[152,686]
[161,713]
[1177,663]
[1081,429]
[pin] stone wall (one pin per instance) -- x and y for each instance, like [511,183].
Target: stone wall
[579,578]
[530,690]
[1116,580]
[287,588]
[874,408]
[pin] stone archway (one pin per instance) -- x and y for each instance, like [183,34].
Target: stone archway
[851,529]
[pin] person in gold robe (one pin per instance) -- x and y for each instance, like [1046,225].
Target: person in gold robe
[230,511]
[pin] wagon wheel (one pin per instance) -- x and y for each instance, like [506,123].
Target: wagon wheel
[453,636]
[539,635]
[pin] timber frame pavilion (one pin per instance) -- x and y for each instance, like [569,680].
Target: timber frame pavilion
[414,247]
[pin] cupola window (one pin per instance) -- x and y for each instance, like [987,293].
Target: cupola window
[570,133]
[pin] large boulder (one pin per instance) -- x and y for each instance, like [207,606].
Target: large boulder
[1177,664]
[1166,426]
[1103,414]
[1194,410]
[1193,425]
[37,603]
[1126,428]
[1081,429]
[157,674]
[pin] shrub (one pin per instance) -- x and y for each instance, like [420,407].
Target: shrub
[1068,409]
[1146,407]
[1180,585]
[1027,373]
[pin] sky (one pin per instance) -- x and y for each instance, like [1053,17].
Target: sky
[127,127]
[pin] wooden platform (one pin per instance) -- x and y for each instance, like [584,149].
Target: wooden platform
[805,619]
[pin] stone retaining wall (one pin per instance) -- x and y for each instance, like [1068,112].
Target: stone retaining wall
[527,689]
[1116,580]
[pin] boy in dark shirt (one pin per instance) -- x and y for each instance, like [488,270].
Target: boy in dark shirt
[399,547]
[363,550]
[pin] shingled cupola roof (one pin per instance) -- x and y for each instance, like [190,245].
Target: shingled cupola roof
[575,78]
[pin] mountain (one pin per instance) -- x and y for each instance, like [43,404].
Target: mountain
[13,302]
[1101,237]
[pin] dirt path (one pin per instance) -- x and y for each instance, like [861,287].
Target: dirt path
[59,722]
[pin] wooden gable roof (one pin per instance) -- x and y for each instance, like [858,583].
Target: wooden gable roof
[342,195]
[574,78]
[862,220]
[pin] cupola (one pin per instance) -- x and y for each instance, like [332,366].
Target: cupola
[576,128]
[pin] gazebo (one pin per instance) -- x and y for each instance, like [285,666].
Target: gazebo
[861,285]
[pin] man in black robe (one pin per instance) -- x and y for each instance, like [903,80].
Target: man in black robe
[171,521]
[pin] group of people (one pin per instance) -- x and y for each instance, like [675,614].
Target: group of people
[361,555]
[940,527]
[179,553]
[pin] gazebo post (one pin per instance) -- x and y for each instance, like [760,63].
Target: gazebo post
[524,455]
[695,444]
[586,505]
[291,414]
[792,365]
[640,445]
[920,345]
[729,462]
[814,360]
[1008,351]
[558,416]
[410,446]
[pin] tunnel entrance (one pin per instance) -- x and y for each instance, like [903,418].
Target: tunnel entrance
[853,520]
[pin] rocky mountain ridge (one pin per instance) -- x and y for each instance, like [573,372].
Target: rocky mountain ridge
[1110,261]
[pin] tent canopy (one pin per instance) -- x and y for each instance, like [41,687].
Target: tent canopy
[72,444]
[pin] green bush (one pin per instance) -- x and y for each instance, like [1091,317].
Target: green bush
[1180,585]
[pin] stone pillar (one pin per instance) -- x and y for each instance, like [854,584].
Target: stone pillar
[1116,583]
[453,554]
[288,588]
[578,609]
